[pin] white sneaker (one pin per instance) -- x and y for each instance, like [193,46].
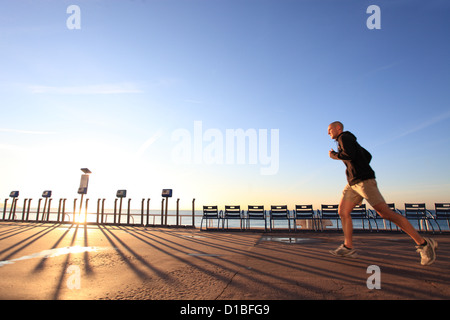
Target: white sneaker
[343,251]
[427,252]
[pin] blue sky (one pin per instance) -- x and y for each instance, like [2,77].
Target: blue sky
[111,95]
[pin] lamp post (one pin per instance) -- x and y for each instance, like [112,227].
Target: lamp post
[120,194]
[47,194]
[83,186]
[166,194]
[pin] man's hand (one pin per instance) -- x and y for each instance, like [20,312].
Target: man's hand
[332,154]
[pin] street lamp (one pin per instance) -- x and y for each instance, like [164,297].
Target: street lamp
[84,181]
[166,193]
[83,186]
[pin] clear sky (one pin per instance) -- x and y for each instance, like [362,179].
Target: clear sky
[146,94]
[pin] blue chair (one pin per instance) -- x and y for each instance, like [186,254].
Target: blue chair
[232,212]
[279,213]
[442,212]
[419,212]
[329,211]
[210,213]
[256,213]
[361,212]
[305,212]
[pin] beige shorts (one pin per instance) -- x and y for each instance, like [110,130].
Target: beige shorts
[366,189]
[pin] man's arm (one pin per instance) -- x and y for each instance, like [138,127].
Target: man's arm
[348,149]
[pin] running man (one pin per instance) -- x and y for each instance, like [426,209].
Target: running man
[362,185]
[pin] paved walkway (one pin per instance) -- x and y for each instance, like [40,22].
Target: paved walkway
[51,261]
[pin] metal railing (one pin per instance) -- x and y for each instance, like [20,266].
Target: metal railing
[142,218]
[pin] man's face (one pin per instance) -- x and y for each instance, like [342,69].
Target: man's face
[333,131]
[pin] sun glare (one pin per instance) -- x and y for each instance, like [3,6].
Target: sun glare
[80,218]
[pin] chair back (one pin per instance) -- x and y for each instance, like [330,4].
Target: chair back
[232,211]
[210,211]
[359,211]
[415,210]
[255,211]
[304,211]
[279,211]
[330,211]
[442,210]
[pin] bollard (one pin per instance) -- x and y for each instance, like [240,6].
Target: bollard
[28,209]
[128,211]
[103,209]
[162,211]
[4,209]
[148,210]
[98,211]
[142,211]
[64,210]
[178,211]
[193,213]
[38,209]
[23,209]
[115,210]
[99,218]
[59,209]
[74,208]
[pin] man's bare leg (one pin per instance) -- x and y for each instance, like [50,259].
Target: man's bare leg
[426,247]
[386,213]
[345,209]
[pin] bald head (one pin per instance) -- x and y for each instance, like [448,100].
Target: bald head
[338,124]
[335,129]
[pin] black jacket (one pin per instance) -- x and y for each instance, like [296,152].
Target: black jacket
[355,158]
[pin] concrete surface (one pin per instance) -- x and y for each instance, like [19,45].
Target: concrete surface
[51,261]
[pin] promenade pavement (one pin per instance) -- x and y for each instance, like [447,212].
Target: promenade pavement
[57,261]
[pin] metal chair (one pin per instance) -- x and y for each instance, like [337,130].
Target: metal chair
[305,212]
[442,212]
[210,213]
[329,211]
[256,213]
[419,212]
[232,212]
[361,212]
[279,213]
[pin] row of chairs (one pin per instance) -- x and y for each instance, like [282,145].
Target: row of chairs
[413,211]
